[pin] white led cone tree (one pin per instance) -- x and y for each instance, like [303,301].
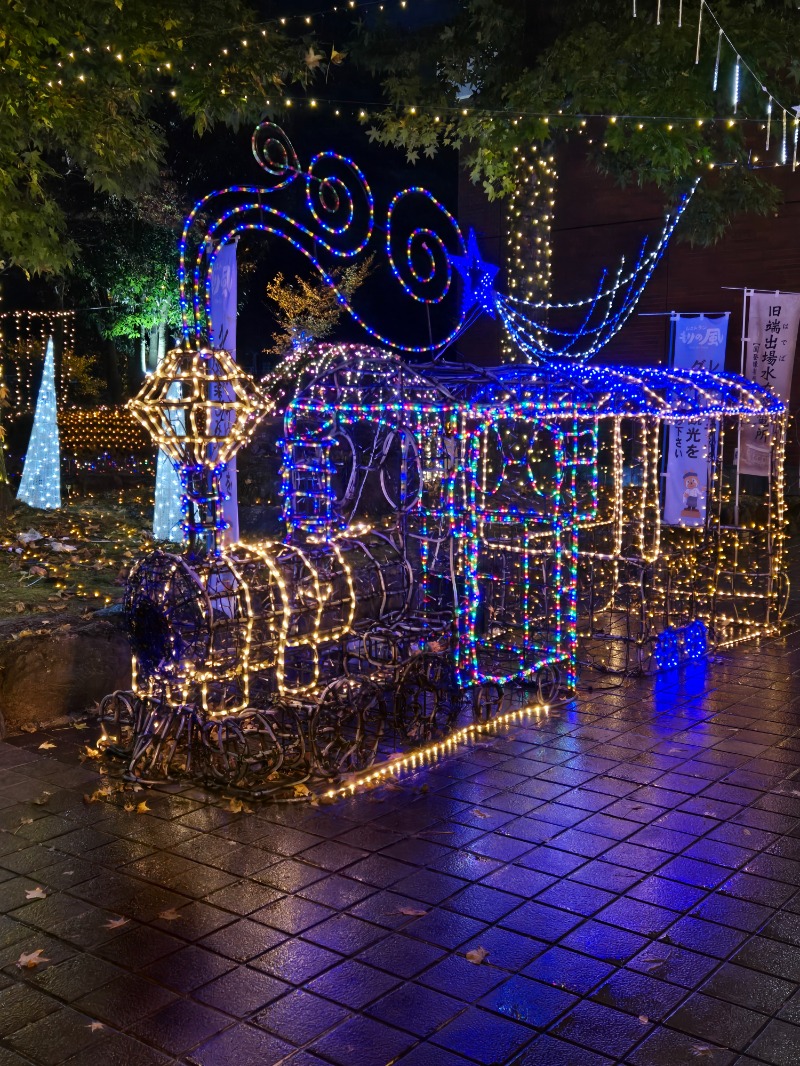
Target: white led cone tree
[41,476]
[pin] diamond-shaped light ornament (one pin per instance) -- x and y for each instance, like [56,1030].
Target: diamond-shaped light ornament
[200,407]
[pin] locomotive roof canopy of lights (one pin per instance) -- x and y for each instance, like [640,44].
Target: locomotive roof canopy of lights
[423,247]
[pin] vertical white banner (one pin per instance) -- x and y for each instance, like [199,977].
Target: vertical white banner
[771,341]
[698,344]
[223,318]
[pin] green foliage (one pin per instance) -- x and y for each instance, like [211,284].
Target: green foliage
[79,81]
[484,80]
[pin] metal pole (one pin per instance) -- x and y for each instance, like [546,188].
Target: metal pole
[746,297]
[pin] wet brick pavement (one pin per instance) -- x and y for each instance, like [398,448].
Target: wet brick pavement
[631,864]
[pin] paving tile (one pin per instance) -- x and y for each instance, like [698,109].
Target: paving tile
[485,1036]
[243,940]
[711,1019]
[20,1006]
[244,1045]
[528,1001]
[639,994]
[401,955]
[354,984]
[362,1042]
[667,1047]
[669,963]
[561,968]
[125,1000]
[748,988]
[605,942]
[296,961]
[417,1008]
[116,1049]
[300,1017]
[547,1051]
[241,992]
[53,1038]
[180,1026]
[602,1029]
[779,1044]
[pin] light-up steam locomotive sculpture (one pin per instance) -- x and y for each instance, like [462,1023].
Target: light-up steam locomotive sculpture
[450,530]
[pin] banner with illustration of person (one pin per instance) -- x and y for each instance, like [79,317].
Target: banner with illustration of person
[223,318]
[698,344]
[770,344]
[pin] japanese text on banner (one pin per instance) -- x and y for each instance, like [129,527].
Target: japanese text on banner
[698,344]
[771,341]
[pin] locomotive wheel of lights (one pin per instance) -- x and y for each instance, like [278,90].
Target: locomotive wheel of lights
[284,718]
[241,752]
[427,700]
[400,452]
[346,726]
[380,647]
[119,713]
[548,680]
[344,475]
[486,701]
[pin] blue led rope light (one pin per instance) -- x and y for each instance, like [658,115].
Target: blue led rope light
[327,196]
[521,326]
[424,271]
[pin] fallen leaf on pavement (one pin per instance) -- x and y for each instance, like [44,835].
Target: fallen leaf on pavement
[412,911]
[142,807]
[116,923]
[34,958]
[644,1019]
[47,746]
[479,813]
[36,893]
[95,1026]
[477,955]
[170,915]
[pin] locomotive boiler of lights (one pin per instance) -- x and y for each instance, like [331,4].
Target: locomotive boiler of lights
[258,622]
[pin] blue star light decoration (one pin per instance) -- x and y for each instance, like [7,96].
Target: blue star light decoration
[478,278]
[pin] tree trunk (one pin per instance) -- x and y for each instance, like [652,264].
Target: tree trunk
[152,342]
[162,340]
[6,497]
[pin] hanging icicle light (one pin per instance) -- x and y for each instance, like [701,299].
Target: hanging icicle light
[783,140]
[736,75]
[658,14]
[769,122]
[794,152]
[699,32]
[716,62]
[680,14]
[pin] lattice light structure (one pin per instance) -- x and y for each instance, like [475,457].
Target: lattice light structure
[373,439]
[652,594]
[199,407]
